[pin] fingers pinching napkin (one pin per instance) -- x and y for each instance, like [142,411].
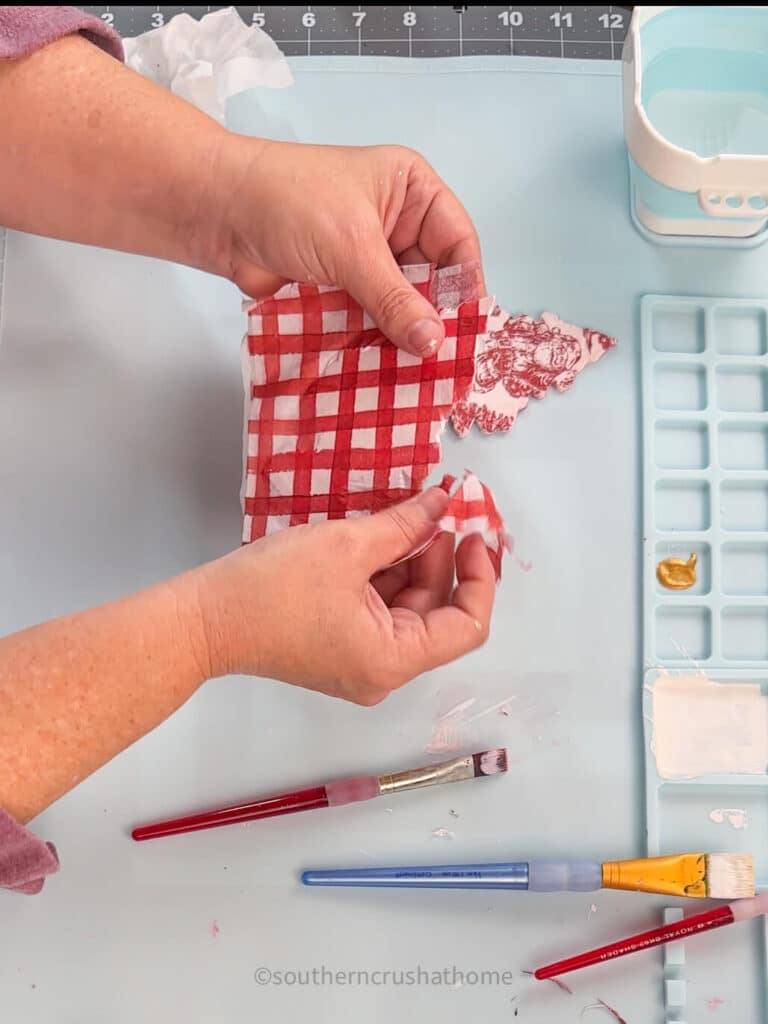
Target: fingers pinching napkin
[341,423]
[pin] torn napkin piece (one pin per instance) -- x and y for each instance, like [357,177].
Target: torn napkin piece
[340,422]
[472,509]
[521,358]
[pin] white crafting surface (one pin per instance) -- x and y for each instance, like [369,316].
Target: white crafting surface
[120,432]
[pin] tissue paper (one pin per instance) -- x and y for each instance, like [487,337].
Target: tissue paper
[207,61]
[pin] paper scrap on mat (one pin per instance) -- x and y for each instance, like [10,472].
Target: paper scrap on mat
[701,727]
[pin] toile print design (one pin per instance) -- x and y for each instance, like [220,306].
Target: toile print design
[521,358]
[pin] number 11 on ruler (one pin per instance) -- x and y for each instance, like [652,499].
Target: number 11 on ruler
[562,19]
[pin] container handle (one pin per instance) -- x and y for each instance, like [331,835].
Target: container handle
[743,204]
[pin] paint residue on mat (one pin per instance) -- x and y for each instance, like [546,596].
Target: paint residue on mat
[555,981]
[736,817]
[601,1004]
[443,833]
[715,1003]
[215,930]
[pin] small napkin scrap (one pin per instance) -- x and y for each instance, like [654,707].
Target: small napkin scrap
[341,423]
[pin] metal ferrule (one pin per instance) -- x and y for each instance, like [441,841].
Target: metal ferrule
[433,775]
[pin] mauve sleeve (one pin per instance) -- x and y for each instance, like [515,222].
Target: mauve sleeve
[26,29]
[25,860]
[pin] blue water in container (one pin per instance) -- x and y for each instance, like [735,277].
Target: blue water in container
[704,88]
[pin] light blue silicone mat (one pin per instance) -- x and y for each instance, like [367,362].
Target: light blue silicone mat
[120,456]
[705,454]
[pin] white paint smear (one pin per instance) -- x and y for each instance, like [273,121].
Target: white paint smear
[705,728]
[734,816]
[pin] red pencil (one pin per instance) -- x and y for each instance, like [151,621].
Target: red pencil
[741,910]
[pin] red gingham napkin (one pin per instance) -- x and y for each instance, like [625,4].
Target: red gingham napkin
[342,423]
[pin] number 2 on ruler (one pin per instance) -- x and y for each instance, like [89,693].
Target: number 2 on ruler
[562,20]
[511,19]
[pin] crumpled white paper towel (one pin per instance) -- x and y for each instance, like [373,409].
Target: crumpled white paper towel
[207,61]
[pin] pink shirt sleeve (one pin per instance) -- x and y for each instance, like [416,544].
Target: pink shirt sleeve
[26,29]
[25,860]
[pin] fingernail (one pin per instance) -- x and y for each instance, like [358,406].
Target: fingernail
[423,338]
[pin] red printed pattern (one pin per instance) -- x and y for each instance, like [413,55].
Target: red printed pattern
[340,422]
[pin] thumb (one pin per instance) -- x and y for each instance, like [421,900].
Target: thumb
[402,529]
[399,311]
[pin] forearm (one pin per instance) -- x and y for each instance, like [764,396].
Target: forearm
[76,691]
[92,152]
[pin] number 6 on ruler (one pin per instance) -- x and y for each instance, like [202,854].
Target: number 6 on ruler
[308,19]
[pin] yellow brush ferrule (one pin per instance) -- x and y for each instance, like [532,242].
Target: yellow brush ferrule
[681,875]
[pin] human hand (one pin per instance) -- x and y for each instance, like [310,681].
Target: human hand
[345,216]
[313,605]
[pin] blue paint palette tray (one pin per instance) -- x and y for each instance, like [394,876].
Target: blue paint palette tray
[705,437]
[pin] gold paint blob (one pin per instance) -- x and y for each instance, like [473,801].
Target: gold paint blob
[676,574]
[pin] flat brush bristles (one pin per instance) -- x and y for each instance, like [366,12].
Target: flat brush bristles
[490,762]
[730,876]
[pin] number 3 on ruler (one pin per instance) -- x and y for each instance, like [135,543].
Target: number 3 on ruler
[157,19]
[409,18]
